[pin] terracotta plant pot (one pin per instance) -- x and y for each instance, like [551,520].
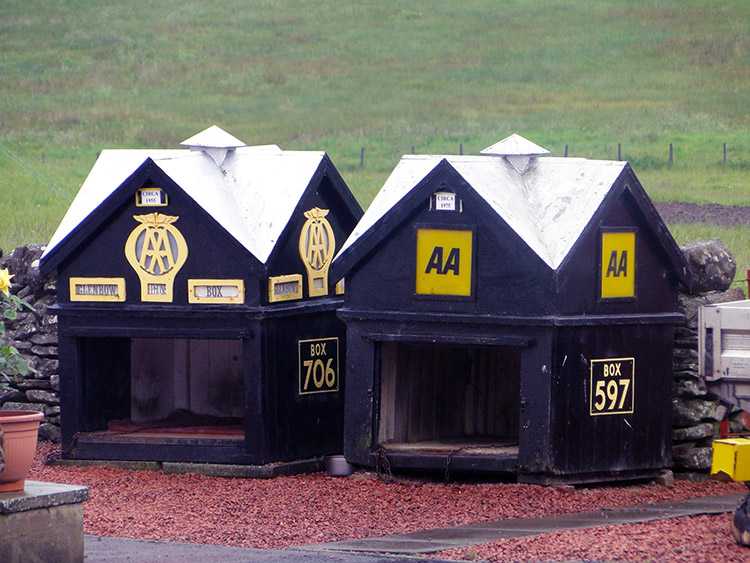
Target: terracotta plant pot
[20,430]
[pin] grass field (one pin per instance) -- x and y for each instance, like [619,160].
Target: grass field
[385,76]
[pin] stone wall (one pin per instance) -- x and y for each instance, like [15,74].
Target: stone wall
[696,412]
[34,334]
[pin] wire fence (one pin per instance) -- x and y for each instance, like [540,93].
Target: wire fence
[670,162]
[49,184]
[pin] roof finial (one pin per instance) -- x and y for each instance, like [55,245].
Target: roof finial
[215,142]
[519,152]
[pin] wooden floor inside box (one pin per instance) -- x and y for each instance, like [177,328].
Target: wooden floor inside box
[177,444]
[184,427]
[458,454]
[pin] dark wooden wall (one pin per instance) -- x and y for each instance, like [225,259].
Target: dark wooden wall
[203,376]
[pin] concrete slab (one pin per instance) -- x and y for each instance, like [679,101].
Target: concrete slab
[430,541]
[121,550]
[40,494]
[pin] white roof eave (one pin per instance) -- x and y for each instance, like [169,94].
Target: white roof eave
[548,206]
[252,195]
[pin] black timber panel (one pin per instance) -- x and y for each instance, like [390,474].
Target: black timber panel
[285,258]
[509,278]
[655,278]
[586,439]
[300,418]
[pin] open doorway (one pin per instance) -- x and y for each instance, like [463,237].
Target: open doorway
[442,398]
[181,388]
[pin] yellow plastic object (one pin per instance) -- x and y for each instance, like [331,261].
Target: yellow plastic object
[731,459]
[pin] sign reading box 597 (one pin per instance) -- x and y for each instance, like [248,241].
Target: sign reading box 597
[612,382]
[318,365]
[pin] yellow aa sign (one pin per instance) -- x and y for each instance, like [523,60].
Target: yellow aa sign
[317,244]
[444,262]
[156,250]
[618,265]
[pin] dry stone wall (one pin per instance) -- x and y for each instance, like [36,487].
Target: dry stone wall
[34,335]
[696,412]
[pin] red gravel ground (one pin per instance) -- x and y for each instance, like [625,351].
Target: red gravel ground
[308,509]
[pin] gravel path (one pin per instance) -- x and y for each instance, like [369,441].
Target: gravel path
[720,215]
[292,511]
[306,509]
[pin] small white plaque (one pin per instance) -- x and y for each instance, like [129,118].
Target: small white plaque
[150,197]
[146,197]
[445,201]
[217,291]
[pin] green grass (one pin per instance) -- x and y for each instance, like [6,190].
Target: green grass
[339,76]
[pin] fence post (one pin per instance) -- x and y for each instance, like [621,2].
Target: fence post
[461,149]
[566,151]
[412,149]
[362,158]
[619,151]
[671,156]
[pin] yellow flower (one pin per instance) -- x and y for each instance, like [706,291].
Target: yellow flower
[5,281]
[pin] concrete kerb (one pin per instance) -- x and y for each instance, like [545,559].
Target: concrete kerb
[209,469]
[122,550]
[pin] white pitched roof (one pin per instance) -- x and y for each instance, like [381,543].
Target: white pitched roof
[548,206]
[252,194]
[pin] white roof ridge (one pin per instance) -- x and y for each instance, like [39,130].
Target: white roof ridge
[528,202]
[535,209]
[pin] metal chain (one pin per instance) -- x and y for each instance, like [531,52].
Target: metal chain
[383,466]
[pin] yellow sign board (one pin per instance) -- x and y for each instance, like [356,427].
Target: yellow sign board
[156,250]
[612,386]
[318,365]
[317,244]
[284,288]
[444,262]
[97,289]
[216,291]
[618,265]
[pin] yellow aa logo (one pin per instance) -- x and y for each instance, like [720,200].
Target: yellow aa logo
[156,250]
[618,265]
[444,262]
[317,244]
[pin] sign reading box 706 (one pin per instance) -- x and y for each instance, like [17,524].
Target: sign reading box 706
[612,382]
[318,365]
